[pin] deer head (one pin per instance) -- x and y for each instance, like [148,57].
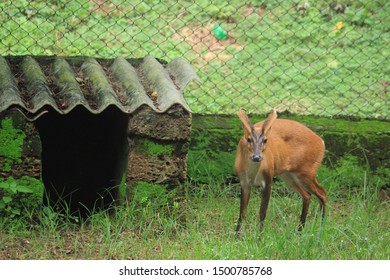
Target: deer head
[256,137]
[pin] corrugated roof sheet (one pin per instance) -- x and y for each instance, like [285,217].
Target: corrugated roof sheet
[32,84]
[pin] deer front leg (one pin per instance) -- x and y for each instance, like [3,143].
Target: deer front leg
[244,199]
[266,194]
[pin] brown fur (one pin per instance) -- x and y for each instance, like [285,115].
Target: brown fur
[291,151]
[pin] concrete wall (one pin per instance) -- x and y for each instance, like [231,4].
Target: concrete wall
[214,143]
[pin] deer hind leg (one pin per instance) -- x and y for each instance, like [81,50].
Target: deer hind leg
[244,199]
[321,197]
[311,185]
[306,197]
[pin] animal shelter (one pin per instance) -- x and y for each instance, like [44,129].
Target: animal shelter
[87,126]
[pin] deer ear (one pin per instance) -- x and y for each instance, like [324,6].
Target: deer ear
[248,127]
[269,121]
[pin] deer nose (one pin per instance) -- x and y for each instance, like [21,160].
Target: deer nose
[256,158]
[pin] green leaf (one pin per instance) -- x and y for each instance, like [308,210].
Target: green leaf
[13,187]
[15,212]
[7,199]
[23,189]
[4,185]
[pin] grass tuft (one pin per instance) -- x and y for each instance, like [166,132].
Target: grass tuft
[355,228]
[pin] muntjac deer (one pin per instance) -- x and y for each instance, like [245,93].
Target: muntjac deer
[278,147]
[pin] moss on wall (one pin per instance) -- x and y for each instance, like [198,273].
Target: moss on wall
[145,192]
[152,148]
[157,161]
[206,168]
[122,189]
[22,192]
[11,144]
[215,138]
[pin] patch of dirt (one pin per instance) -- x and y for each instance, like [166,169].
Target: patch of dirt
[250,9]
[384,194]
[108,8]
[14,249]
[205,44]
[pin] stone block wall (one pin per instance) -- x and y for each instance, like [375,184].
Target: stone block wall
[158,146]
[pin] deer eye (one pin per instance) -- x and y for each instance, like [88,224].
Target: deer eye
[265,141]
[249,140]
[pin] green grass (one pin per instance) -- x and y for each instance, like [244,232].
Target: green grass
[275,54]
[202,227]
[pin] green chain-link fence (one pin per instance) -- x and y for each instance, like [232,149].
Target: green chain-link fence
[322,58]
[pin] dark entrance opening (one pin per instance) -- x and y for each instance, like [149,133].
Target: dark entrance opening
[84,157]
